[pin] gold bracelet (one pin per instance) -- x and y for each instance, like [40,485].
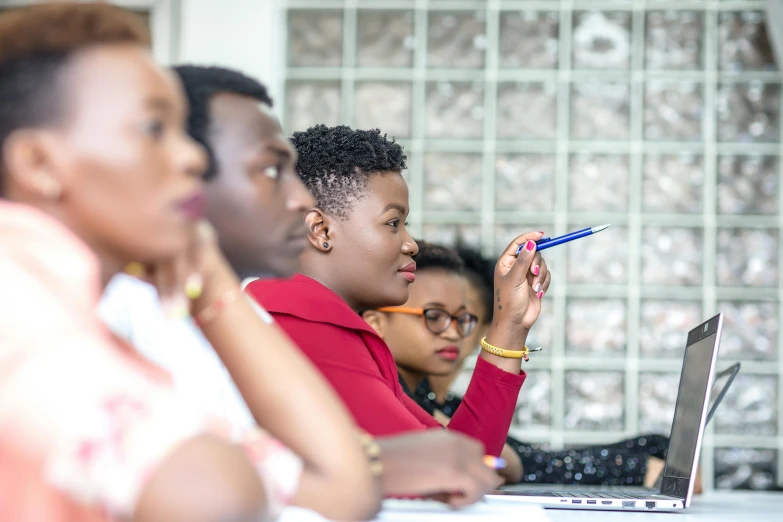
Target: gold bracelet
[508,354]
[213,310]
[373,451]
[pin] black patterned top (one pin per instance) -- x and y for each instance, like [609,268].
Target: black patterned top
[621,463]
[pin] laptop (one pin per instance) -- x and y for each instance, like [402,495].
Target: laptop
[679,474]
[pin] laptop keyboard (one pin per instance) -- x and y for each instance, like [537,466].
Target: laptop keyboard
[573,495]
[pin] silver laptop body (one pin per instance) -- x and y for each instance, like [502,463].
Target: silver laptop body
[679,474]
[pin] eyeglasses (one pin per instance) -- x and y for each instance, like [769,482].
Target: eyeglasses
[437,320]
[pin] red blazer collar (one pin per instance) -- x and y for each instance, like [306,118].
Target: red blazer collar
[308,299]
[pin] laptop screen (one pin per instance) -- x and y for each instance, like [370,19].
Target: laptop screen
[689,414]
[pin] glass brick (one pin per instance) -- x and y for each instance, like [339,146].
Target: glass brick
[748,184]
[745,468]
[315,38]
[602,259]
[747,257]
[456,39]
[309,103]
[451,181]
[744,42]
[600,110]
[598,183]
[595,326]
[525,182]
[671,256]
[750,331]
[454,110]
[750,407]
[594,401]
[602,40]
[673,111]
[664,327]
[543,331]
[529,39]
[657,397]
[527,110]
[674,39]
[534,406]
[384,38]
[451,234]
[384,105]
[748,113]
[504,234]
[673,183]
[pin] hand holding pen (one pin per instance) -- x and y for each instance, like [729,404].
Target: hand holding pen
[520,285]
[542,243]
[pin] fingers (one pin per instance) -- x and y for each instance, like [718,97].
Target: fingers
[194,282]
[538,274]
[509,256]
[177,305]
[478,480]
[523,264]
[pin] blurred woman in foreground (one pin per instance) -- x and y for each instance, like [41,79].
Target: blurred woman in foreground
[97,175]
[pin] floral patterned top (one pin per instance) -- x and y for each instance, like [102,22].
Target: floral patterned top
[85,420]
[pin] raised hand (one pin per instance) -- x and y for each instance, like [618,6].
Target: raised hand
[520,285]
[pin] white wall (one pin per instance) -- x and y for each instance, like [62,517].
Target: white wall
[247,35]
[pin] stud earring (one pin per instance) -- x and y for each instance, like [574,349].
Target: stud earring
[326,245]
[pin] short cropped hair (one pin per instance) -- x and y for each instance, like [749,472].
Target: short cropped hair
[434,256]
[35,45]
[200,84]
[334,163]
[480,271]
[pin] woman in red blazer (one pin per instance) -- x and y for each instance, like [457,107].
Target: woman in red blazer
[360,256]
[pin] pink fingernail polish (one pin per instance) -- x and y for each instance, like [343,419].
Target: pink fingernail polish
[530,246]
[536,270]
[541,295]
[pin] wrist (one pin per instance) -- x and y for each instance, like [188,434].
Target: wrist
[507,336]
[218,279]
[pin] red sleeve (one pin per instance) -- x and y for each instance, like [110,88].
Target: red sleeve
[343,358]
[488,406]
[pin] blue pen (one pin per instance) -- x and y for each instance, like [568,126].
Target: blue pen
[549,242]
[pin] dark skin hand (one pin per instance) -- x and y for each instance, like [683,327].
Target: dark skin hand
[444,465]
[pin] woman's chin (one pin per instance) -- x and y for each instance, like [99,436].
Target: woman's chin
[398,298]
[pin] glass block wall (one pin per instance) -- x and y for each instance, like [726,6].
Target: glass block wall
[660,117]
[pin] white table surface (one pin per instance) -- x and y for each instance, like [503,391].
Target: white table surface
[717,506]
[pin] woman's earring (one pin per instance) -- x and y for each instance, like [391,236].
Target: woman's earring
[326,245]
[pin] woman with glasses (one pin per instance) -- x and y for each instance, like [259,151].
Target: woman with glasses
[636,461]
[360,256]
[427,334]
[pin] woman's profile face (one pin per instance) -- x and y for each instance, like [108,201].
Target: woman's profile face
[372,256]
[130,173]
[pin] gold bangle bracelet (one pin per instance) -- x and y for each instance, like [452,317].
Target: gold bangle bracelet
[373,451]
[500,352]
